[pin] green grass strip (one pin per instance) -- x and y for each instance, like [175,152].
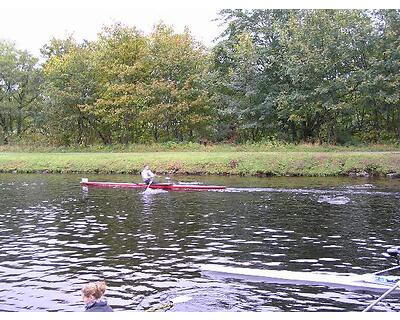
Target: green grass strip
[204,163]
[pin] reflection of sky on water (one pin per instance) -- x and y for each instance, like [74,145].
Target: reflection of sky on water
[55,235]
[148,197]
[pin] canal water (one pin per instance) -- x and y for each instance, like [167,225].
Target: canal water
[56,236]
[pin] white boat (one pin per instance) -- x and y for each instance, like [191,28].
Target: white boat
[372,281]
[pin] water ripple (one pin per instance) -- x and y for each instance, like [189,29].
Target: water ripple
[55,237]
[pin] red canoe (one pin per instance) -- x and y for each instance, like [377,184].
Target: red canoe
[164,186]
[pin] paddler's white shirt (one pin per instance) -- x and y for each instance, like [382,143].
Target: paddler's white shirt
[147,174]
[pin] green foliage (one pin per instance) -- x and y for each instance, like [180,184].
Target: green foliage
[178,105]
[171,146]
[20,92]
[274,77]
[71,86]
[310,75]
[126,87]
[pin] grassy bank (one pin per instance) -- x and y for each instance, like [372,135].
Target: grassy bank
[233,163]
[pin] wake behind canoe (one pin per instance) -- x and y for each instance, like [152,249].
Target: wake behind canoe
[163,186]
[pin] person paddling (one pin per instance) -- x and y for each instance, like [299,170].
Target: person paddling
[92,294]
[147,175]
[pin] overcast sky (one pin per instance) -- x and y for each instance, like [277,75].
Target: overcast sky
[32,23]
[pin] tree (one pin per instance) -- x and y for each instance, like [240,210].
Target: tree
[378,112]
[20,88]
[71,86]
[324,50]
[310,75]
[126,87]
[122,71]
[249,61]
[178,105]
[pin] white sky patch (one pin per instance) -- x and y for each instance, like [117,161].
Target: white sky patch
[31,24]
[31,28]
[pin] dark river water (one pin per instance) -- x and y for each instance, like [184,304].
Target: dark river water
[56,236]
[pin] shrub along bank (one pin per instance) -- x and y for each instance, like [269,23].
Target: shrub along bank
[207,163]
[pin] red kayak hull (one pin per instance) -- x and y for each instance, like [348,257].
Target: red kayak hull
[164,186]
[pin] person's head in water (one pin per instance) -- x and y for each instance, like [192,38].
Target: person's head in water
[93,291]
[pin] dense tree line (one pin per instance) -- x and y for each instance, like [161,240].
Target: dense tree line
[328,76]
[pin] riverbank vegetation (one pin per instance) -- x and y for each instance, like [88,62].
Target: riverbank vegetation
[291,76]
[268,146]
[282,92]
[244,163]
